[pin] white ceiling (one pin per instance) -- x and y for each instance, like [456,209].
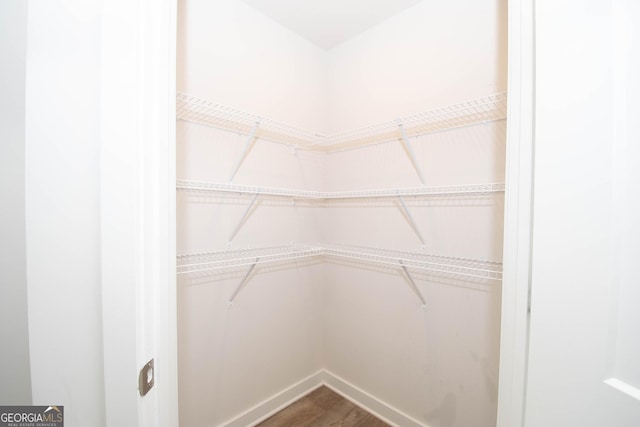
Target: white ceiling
[327,23]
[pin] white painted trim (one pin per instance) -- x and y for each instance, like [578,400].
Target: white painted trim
[166,330]
[291,394]
[518,216]
[277,402]
[120,175]
[137,90]
[370,403]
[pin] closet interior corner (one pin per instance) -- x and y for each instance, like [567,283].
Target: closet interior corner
[340,213]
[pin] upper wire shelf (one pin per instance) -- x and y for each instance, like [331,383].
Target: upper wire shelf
[193,109]
[192,263]
[445,190]
[477,110]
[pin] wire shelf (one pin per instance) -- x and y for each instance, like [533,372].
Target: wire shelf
[183,184]
[446,190]
[477,110]
[193,109]
[415,260]
[226,260]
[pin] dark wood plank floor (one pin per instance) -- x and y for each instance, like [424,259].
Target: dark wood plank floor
[323,407]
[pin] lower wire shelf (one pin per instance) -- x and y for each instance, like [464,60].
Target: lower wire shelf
[328,196]
[406,261]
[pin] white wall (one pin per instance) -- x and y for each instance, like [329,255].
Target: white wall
[62,208]
[430,55]
[438,366]
[231,359]
[15,376]
[253,63]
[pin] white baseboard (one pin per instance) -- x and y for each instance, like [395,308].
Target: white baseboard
[284,398]
[277,402]
[371,404]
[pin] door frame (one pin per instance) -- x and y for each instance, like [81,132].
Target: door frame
[139,77]
[137,195]
[518,221]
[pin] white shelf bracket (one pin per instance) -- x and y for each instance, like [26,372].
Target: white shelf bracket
[412,222]
[246,213]
[241,285]
[412,284]
[247,148]
[410,153]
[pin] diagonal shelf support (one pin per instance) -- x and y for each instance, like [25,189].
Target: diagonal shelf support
[242,283]
[247,148]
[412,222]
[410,152]
[412,284]
[244,217]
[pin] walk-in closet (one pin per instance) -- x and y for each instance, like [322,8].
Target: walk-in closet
[339,209]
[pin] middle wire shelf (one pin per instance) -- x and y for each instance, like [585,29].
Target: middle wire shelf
[228,260]
[445,190]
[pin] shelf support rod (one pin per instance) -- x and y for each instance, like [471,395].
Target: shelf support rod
[412,284]
[244,217]
[410,152]
[412,222]
[247,148]
[244,281]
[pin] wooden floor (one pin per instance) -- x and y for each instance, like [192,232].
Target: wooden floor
[323,407]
